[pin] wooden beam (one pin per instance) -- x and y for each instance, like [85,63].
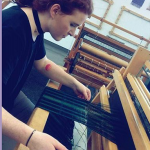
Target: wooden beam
[123,38]
[91,23]
[123,29]
[96,143]
[103,55]
[144,102]
[107,144]
[138,60]
[136,14]
[147,64]
[104,16]
[97,61]
[95,139]
[96,99]
[112,83]
[116,54]
[90,73]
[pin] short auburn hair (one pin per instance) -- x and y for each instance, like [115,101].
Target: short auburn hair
[67,6]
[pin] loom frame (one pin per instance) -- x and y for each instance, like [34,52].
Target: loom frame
[118,79]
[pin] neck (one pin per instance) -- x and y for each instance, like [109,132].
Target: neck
[43,17]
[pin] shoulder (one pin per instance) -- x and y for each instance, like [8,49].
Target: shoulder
[11,14]
[15,27]
[14,18]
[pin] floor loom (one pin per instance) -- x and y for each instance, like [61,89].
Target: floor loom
[96,142]
[101,74]
[84,61]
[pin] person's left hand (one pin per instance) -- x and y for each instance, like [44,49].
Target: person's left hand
[82,91]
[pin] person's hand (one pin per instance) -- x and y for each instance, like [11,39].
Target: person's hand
[82,91]
[42,141]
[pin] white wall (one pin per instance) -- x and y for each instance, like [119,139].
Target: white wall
[127,21]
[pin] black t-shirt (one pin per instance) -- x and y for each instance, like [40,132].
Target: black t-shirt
[18,53]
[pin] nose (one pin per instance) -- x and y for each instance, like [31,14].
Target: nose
[72,32]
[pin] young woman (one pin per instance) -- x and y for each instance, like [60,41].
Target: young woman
[22,46]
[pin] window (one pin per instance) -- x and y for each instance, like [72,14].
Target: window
[137,3]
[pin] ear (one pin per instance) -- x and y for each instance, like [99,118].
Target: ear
[54,10]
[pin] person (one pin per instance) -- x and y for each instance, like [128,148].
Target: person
[22,47]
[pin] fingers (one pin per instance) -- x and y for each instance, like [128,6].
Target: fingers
[88,94]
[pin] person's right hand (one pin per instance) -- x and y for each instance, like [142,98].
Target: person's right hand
[42,141]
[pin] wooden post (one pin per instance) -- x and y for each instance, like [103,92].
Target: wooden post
[145,104]
[107,145]
[138,60]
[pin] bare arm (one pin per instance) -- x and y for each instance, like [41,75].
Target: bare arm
[20,132]
[56,73]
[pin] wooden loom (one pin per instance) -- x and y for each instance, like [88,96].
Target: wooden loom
[96,142]
[111,81]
